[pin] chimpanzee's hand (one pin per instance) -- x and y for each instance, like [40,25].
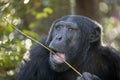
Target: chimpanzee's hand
[88,76]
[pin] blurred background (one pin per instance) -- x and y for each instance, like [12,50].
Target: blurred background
[34,18]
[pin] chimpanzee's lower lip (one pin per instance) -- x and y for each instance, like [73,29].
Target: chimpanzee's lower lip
[58,58]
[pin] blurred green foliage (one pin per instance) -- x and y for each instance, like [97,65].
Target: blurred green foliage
[12,44]
[29,15]
[110,11]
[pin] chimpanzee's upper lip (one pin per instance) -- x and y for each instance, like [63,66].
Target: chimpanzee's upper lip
[54,50]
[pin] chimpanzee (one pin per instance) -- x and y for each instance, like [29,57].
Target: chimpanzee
[77,40]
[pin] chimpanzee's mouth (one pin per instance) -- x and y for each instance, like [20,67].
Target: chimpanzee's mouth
[58,57]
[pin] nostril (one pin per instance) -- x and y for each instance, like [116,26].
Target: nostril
[59,37]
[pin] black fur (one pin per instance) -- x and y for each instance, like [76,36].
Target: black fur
[91,57]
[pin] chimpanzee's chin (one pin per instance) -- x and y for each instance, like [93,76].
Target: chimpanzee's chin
[56,65]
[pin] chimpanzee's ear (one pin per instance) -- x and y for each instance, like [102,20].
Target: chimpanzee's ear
[95,35]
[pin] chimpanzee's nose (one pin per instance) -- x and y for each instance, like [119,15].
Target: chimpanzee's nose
[59,37]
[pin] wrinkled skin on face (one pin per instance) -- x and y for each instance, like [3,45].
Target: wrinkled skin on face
[64,39]
[67,40]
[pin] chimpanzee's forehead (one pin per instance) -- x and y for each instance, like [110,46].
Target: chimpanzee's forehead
[66,23]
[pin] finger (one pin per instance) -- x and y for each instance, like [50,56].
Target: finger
[87,76]
[80,78]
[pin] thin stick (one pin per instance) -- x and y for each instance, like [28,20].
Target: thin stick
[13,26]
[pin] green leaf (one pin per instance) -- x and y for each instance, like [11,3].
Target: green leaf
[48,10]
[33,25]
[41,15]
[10,28]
